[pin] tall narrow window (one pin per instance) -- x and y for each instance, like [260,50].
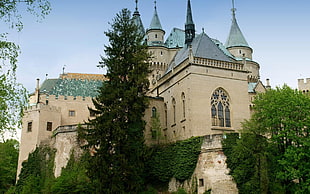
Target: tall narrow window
[174,110]
[154,112]
[49,126]
[220,110]
[166,115]
[183,105]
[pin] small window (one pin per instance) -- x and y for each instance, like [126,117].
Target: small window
[49,126]
[154,134]
[29,127]
[201,183]
[92,113]
[155,35]
[71,113]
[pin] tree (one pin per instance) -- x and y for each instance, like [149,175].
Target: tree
[280,122]
[8,164]
[116,134]
[12,94]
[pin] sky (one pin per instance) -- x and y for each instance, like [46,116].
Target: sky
[72,35]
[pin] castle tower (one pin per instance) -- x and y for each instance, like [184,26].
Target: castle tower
[156,46]
[189,25]
[137,20]
[237,45]
[155,33]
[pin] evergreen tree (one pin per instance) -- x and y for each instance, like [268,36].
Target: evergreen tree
[116,134]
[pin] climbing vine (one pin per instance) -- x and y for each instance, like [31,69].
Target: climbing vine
[37,173]
[175,160]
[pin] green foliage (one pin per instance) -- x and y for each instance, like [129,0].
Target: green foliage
[175,160]
[279,163]
[116,134]
[12,94]
[10,11]
[8,164]
[73,178]
[247,160]
[156,128]
[37,172]
[180,191]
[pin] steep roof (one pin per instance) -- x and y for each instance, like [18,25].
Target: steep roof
[155,23]
[235,37]
[69,86]
[176,38]
[203,47]
[137,20]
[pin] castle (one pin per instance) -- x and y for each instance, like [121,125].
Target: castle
[198,87]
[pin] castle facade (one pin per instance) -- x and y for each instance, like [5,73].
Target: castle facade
[198,87]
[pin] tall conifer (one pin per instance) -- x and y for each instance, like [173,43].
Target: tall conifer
[116,134]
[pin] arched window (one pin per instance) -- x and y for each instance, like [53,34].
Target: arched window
[154,112]
[220,110]
[174,110]
[183,105]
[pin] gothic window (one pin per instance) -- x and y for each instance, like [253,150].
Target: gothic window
[154,112]
[174,110]
[183,105]
[220,110]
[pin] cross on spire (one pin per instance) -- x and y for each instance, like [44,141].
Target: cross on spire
[233,8]
[136,5]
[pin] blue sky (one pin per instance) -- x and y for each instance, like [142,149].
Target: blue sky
[73,34]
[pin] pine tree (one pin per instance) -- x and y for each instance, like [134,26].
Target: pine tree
[116,134]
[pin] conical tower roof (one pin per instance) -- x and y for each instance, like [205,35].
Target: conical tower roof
[137,20]
[235,37]
[155,23]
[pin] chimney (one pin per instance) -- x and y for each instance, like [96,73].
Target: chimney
[268,87]
[37,93]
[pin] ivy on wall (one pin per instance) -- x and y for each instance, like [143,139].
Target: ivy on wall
[176,160]
[37,172]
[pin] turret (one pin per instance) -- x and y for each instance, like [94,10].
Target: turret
[137,20]
[189,25]
[240,49]
[236,43]
[155,33]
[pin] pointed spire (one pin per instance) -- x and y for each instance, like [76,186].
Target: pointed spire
[155,23]
[137,20]
[189,25]
[235,37]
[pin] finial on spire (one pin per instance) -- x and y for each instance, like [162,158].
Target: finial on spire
[189,25]
[136,5]
[233,8]
[155,4]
